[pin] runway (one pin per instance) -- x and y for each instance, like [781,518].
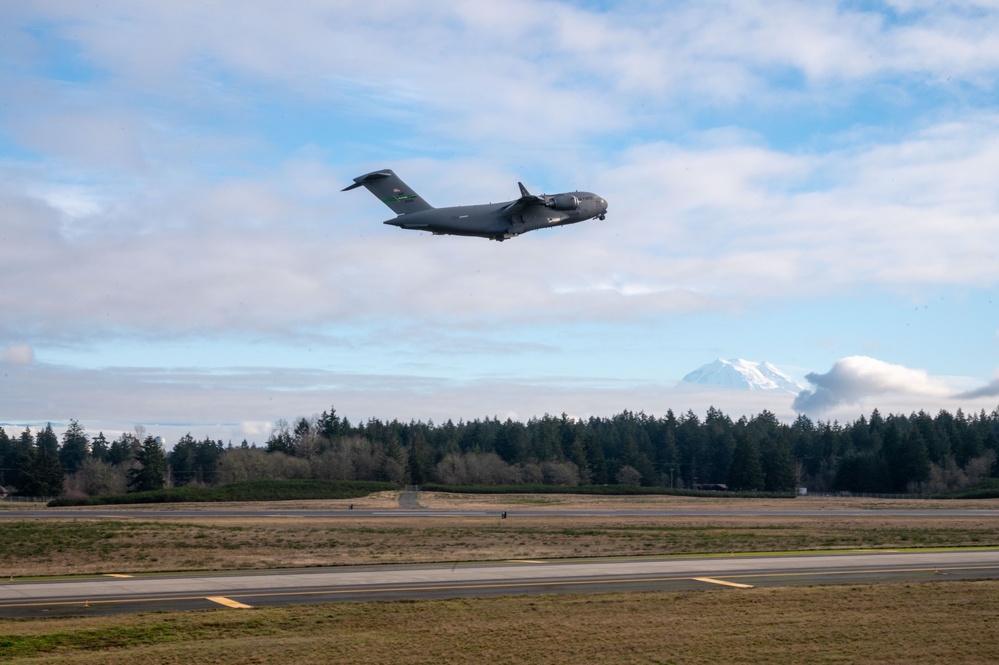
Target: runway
[165,592]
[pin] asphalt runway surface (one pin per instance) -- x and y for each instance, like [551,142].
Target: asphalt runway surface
[238,590]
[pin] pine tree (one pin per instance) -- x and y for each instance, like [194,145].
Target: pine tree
[151,473]
[7,459]
[99,448]
[123,448]
[905,456]
[745,474]
[40,473]
[75,447]
[419,459]
[778,464]
[181,461]
[48,441]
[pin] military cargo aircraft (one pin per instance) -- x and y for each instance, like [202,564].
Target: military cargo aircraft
[496,221]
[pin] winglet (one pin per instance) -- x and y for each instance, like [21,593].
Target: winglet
[523,190]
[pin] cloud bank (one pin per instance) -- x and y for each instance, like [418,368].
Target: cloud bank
[989,390]
[181,193]
[856,378]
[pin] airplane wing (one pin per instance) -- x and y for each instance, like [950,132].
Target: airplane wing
[526,199]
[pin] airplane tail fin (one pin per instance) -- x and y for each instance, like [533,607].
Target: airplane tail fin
[392,191]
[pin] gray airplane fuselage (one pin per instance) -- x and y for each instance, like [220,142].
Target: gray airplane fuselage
[497,221]
[487,219]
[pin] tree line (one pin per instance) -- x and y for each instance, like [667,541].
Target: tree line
[918,453]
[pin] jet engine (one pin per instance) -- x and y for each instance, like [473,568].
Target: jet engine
[563,202]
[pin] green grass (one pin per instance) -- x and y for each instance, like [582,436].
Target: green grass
[937,622]
[91,546]
[987,489]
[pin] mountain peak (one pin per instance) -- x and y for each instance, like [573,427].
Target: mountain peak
[742,375]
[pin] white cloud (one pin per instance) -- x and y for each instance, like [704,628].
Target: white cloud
[171,192]
[689,228]
[18,354]
[525,68]
[990,389]
[243,403]
[258,430]
[857,378]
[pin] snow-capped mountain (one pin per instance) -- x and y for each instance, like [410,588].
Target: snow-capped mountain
[742,375]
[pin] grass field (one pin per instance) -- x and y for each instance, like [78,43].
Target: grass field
[108,546]
[140,543]
[890,623]
[954,622]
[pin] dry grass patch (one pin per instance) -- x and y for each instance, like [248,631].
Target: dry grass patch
[48,547]
[920,623]
[499,502]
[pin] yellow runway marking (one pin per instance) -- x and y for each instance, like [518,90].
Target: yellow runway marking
[117,575]
[222,600]
[712,580]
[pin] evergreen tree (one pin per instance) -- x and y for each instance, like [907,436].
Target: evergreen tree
[123,448]
[206,461]
[778,464]
[690,443]
[20,456]
[860,472]
[40,471]
[746,474]
[99,448]
[329,425]
[577,455]
[152,469]
[181,461]
[905,457]
[280,440]
[48,441]
[420,460]
[75,447]
[7,459]
[511,441]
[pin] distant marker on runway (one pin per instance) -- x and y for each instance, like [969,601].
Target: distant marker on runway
[711,580]
[228,602]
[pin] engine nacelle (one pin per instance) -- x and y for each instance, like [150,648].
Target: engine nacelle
[563,202]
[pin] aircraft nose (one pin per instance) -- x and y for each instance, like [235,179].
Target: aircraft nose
[602,206]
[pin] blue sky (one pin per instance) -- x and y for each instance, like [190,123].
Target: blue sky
[806,183]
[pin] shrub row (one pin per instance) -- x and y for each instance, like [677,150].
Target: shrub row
[598,490]
[250,490]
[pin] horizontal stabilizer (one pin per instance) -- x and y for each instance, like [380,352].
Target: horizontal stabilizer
[365,179]
[402,224]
